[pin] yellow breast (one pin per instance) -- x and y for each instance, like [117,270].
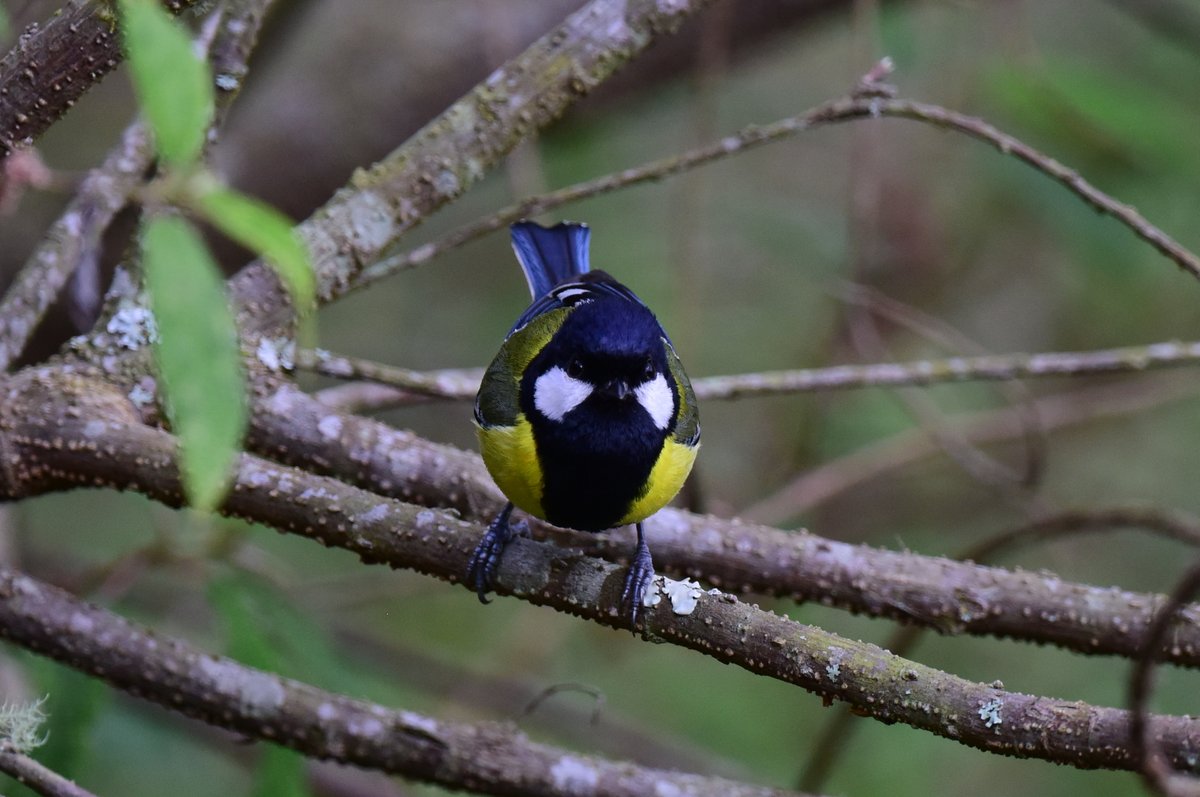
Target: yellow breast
[670,471]
[510,454]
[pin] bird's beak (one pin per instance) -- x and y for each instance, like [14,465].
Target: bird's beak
[616,388]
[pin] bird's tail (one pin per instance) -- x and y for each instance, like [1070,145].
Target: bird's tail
[550,255]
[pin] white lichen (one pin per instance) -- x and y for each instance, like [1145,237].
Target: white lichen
[81,623]
[257,694]
[133,327]
[373,515]
[277,354]
[21,725]
[142,394]
[653,596]
[574,777]
[834,668]
[330,427]
[665,788]
[365,727]
[95,428]
[989,712]
[683,595]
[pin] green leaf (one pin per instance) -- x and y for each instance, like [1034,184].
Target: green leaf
[197,355]
[258,226]
[249,611]
[173,86]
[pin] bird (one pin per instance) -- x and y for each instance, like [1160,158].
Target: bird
[585,417]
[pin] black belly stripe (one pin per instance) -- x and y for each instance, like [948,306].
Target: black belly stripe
[591,486]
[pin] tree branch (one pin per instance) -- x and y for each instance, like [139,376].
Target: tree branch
[74,237]
[457,148]
[1152,761]
[53,65]
[66,444]
[36,776]
[875,102]
[831,479]
[950,597]
[461,384]
[491,759]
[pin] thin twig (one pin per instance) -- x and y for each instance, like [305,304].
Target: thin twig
[461,384]
[827,481]
[1174,525]
[973,460]
[841,110]
[457,148]
[74,237]
[949,338]
[1145,747]
[36,776]
[449,383]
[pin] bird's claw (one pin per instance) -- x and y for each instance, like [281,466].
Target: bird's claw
[486,557]
[638,581]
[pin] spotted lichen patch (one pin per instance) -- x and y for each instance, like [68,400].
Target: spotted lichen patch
[989,712]
[330,427]
[133,327]
[257,694]
[574,777]
[143,393]
[277,354]
[375,514]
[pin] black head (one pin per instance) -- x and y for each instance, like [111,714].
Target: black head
[606,363]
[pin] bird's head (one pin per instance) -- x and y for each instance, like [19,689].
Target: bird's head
[610,358]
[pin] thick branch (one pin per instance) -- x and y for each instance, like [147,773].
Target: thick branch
[457,148]
[948,596]
[75,236]
[491,759]
[53,65]
[78,449]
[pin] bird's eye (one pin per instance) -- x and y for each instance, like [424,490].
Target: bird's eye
[648,369]
[575,368]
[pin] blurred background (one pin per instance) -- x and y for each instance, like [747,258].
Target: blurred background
[865,242]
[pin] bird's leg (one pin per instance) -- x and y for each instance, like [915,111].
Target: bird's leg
[486,557]
[639,579]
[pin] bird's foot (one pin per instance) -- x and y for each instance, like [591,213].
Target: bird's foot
[486,558]
[638,581]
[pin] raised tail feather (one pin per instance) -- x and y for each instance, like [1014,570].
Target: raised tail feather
[550,255]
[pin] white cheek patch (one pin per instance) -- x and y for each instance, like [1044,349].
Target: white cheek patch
[657,399]
[555,393]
